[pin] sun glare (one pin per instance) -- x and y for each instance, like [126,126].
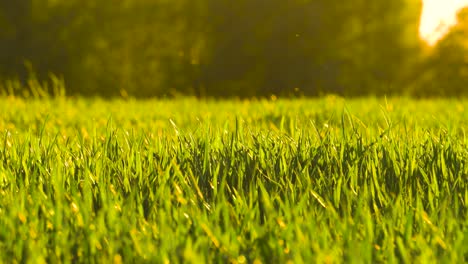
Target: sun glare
[437,18]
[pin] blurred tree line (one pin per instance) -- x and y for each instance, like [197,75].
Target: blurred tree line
[228,48]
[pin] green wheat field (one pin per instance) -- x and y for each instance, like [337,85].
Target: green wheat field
[328,180]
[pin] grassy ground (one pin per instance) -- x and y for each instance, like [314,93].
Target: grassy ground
[269,181]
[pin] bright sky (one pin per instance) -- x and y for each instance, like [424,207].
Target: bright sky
[437,17]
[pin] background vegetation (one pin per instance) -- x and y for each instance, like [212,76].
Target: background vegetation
[229,48]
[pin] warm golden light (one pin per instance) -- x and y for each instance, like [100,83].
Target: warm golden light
[437,17]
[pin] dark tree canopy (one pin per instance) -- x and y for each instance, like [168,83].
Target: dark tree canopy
[217,48]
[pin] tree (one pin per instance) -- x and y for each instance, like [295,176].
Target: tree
[213,47]
[378,45]
[356,47]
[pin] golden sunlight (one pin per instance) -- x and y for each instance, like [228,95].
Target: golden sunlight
[437,18]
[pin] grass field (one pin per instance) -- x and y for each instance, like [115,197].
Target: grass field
[267,181]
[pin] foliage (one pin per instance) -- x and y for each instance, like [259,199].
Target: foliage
[213,47]
[322,180]
[275,47]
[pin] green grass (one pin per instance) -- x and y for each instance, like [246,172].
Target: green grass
[267,181]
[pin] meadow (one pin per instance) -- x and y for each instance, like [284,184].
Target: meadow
[327,180]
